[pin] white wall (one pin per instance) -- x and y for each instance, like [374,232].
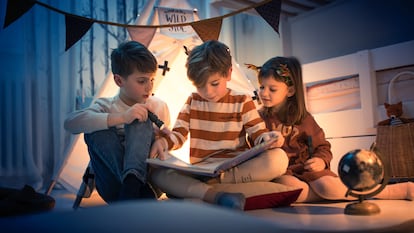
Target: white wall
[346,27]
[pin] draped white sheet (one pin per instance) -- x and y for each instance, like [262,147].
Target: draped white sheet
[38,87]
[166,47]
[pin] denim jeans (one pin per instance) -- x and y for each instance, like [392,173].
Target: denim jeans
[113,156]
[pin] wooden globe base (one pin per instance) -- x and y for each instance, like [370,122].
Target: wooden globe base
[362,208]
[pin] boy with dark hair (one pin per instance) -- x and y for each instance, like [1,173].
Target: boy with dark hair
[118,131]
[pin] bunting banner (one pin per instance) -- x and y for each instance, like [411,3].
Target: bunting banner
[75,29]
[170,20]
[271,13]
[209,29]
[142,35]
[15,9]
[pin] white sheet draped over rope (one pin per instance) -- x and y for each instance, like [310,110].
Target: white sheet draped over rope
[173,87]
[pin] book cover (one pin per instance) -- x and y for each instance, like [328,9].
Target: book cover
[211,166]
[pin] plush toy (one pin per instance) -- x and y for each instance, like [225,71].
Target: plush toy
[394,112]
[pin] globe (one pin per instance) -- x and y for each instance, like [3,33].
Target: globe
[363,172]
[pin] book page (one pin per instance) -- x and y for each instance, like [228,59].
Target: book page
[207,167]
[211,166]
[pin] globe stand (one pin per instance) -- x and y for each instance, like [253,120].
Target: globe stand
[362,207]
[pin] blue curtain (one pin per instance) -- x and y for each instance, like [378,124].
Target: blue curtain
[36,91]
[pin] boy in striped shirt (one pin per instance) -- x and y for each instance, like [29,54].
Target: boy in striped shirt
[218,121]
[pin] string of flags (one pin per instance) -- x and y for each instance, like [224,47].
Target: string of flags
[77,26]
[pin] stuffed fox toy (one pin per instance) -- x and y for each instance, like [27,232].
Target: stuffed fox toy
[394,112]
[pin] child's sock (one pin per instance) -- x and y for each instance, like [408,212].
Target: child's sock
[229,200]
[131,187]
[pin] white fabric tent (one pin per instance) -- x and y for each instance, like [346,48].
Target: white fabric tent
[174,87]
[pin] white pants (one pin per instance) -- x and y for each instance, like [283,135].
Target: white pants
[265,167]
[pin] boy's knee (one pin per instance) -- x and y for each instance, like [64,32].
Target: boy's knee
[277,159]
[139,125]
[276,155]
[139,130]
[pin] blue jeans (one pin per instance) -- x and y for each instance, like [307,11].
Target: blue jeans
[114,156]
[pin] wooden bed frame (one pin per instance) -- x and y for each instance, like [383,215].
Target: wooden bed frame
[356,128]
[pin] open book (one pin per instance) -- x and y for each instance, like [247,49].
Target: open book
[212,166]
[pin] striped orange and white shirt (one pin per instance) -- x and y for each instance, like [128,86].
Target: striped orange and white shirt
[217,126]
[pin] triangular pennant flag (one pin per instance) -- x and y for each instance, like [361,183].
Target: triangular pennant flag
[271,13]
[15,9]
[208,29]
[142,35]
[75,28]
